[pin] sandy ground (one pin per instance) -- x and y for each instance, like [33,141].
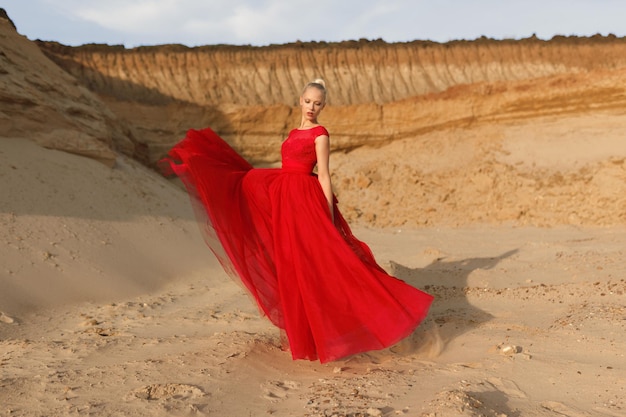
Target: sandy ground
[112,305]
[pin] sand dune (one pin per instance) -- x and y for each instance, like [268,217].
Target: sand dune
[503,197]
[76,230]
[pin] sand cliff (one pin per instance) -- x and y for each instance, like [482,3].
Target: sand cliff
[359,72]
[379,92]
[393,108]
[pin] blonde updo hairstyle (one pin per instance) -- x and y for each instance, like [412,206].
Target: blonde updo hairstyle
[318,83]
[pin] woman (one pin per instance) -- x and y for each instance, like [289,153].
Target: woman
[279,231]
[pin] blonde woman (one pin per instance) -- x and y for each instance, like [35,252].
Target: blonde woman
[279,231]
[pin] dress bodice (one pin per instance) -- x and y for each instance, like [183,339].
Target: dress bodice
[298,150]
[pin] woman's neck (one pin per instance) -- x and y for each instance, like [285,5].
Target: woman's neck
[307,124]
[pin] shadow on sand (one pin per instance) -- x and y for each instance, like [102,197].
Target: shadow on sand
[451,313]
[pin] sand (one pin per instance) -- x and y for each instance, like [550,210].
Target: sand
[112,305]
[507,203]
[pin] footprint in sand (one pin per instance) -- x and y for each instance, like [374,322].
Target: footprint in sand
[166,391]
[278,390]
[508,387]
[92,326]
[484,398]
[562,409]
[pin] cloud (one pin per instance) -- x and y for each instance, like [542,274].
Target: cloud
[136,16]
[233,21]
[236,21]
[261,22]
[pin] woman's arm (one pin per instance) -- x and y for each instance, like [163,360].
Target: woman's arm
[322,150]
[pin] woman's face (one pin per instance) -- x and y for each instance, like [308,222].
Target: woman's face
[311,103]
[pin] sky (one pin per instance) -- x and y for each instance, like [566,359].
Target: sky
[263,22]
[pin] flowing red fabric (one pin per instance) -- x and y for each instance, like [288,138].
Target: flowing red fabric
[271,229]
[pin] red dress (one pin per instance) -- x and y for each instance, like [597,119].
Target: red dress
[271,229]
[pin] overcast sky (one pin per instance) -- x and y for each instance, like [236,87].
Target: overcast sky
[262,22]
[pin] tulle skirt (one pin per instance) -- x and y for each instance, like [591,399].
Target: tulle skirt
[271,230]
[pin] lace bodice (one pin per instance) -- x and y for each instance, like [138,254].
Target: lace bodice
[298,150]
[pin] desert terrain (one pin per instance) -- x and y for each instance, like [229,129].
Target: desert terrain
[491,174]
